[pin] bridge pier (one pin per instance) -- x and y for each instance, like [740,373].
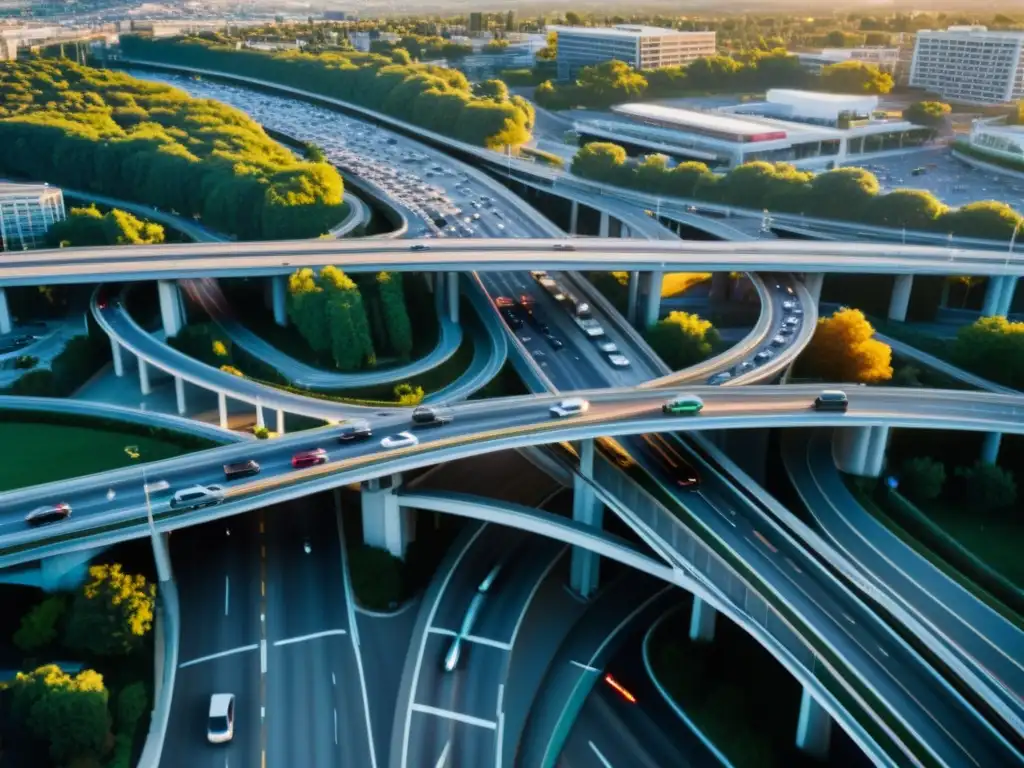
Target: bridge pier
[386,525]
[144,377]
[721,285]
[702,622]
[222,408]
[900,299]
[115,353]
[813,281]
[179,393]
[813,728]
[278,293]
[993,297]
[605,225]
[584,571]
[260,423]
[280,422]
[574,217]
[652,298]
[990,447]
[634,293]
[5,312]
[860,451]
[1006,295]
[170,306]
[453,296]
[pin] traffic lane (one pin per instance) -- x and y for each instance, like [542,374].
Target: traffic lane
[886,664]
[433,741]
[471,689]
[970,625]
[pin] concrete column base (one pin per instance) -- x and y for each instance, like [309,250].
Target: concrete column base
[453,296]
[144,377]
[634,295]
[386,525]
[222,408]
[584,568]
[900,300]
[702,622]
[280,422]
[278,293]
[170,307]
[652,300]
[990,447]
[814,282]
[814,727]
[5,313]
[115,353]
[993,297]
[179,392]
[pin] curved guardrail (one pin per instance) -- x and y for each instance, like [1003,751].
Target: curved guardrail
[170,612]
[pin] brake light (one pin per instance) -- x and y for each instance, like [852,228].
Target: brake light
[618,688]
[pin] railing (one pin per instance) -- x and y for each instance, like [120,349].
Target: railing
[170,615]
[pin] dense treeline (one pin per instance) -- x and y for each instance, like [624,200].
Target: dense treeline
[432,97]
[342,325]
[613,82]
[423,47]
[87,226]
[850,194]
[104,131]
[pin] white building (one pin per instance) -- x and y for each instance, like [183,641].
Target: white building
[26,213]
[1003,141]
[886,59]
[639,46]
[811,130]
[970,64]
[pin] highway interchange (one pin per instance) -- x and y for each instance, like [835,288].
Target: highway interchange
[286,620]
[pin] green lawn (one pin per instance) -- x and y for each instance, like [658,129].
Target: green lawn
[41,453]
[996,541]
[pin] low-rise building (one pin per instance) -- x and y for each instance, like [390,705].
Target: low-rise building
[886,59]
[811,130]
[27,211]
[1005,142]
[639,46]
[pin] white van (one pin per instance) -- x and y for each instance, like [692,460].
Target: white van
[573,406]
[197,496]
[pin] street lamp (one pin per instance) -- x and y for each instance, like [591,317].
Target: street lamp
[1013,242]
[163,569]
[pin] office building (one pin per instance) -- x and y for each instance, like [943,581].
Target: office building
[640,47]
[970,64]
[1005,142]
[815,131]
[885,59]
[27,211]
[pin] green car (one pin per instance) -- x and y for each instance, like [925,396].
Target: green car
[682,406]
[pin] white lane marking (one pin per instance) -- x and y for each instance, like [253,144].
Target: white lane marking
[884,652]
[604,760]
[443,759]
[335,725]
[456,716]
[848,617]
[472,638]
[227,593]
[586,667]
[721,514]
[222,654]
[793,565]
[334,680]
[263,713]
[263,657]
[313,636]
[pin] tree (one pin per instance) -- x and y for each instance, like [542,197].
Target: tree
[922,478]
[377,577]
[131,705]
[682,339]
[87,226]
[495,90]
[931,114]
[610,82]
[989,487]
[842,193]
[985,219]
[600,161]
[112,612]
[401,56]
[855,77]
[220,349]
[573,19]
[910,208]
[39,626]
[550,51]
[992,347]
[69,713]
[407,394]
[842,349]
[397,325]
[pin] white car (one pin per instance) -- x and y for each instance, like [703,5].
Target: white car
[573,406]
[196,496]
[220,727]
[401,440]
[619,361]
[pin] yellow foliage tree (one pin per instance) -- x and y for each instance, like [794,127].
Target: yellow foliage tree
[842,349]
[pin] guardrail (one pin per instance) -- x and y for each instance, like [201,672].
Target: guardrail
[163,697]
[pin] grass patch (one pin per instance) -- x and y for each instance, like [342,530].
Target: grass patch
[51,452]
[678,283]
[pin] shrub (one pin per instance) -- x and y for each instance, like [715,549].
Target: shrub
[376,577]
[922,478]
[989,487]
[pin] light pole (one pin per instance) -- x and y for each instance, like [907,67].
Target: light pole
[160,556]
[1013,242]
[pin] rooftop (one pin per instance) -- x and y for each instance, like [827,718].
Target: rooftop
[688,118]
[819,96]
[9,189]
[621,30]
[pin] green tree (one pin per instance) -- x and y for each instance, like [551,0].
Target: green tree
[843,193]
[395,313]
[600,161]
[842,349]
[39,626]
[495,90]
[986,219]
[407,394]
[220,349]
[989,487]
[573,19]
[377,577]
[87,226]
[855,77]
[610,82]
[112,612]
[69,713]
[992,347]
[922,478]
[910,208]
[401,56]
[931,114]
[682,339]
[131,705]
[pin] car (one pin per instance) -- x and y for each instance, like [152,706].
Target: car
[683,405]
[831,400]
[554,342]
[778,341]
[789,304]
[309,458]
[572,406]
[357,429]
[764,356]
[196,496]
[608,347]
[719,378]
[420,247]
[401,440]
[564,247]
[787,330]
[50,514]
[797,311]
[619,361]
[220,725]
[503,302]
[792,320]
[240,469]
[429,416]
[526,301]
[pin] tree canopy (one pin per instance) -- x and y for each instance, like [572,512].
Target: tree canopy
[842,349]
[112,612]
[929,113]
[87,226]
[682,339]
[992,347]
[104,131]
[855,77]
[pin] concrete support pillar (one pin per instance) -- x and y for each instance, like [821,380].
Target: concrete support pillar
[179,393]
[1006,295]
[652,301]
[386,525]
[574,217]
[625,231]
[259,416]
[990,447]
[702,622]
[278,290]
[944,296]
[604,226]
[850,449]
[634,293]
[5,312]
[162,556]
[144,377]
[875,462]
[170,306]
[280,422]
[813,282]
[900,299]
[814,727]
[222,408]
[453,296]
[587,509]
[721,283]
[993,296]
[115,353]
[428,278]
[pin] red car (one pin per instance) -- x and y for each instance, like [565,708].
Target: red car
[526,301]
[503,302]
[309,458]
